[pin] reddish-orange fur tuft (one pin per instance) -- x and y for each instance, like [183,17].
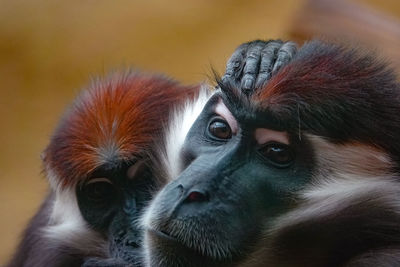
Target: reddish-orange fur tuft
[115,121]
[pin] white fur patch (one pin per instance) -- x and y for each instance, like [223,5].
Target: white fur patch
[182,120]
[67,226]
[349,186]
[350,158]
[54,181]
[333,194]
[346,173]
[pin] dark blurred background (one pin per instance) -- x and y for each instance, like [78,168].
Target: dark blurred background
[50,49]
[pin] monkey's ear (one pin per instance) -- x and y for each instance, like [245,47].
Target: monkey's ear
[43,156]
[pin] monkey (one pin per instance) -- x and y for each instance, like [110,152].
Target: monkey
[301,170]
[113,149]
[102,165]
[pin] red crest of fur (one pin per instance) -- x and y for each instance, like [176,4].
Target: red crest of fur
[114,121]
[323,72]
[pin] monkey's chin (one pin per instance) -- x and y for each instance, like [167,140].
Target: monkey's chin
[169,251]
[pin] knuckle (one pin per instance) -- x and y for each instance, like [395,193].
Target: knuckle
[284,57]
[263,76]
[253,55]
[234,64]
[247,77]
[249,71]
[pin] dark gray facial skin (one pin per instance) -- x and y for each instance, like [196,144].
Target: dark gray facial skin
[213,213]
[111,203]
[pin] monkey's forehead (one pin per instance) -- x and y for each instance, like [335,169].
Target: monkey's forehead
[333,91]
[114,121]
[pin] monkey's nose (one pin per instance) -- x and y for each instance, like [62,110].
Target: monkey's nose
[193,200]
[196,196]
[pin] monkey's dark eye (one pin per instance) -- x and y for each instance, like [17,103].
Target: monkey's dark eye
[280,155]
[99,189]
[220,129]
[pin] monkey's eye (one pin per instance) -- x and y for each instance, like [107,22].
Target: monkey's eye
[219,129]
[280,155]
[98,189]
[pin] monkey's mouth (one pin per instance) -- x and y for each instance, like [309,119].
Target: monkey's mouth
[171,244]
[163,236]
[181,253]
[188,243]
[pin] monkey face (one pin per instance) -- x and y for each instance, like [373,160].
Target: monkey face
[241,174]
[111,201]
[300,168]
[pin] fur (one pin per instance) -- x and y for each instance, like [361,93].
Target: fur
[181,122]
[116,121]
[346,104]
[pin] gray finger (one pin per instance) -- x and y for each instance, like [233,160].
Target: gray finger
[235,63]
[251,66]
[268,57]
[286,53]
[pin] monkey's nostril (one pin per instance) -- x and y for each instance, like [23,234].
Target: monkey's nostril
[180,188]
[196,196]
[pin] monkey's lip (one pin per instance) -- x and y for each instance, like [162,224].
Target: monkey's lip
[176,247]
[173,246]
[162,235]
[169,241]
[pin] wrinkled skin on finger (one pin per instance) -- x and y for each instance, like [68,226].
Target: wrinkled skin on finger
[253,63]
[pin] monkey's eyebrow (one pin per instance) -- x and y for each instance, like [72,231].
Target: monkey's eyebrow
[264,135]
[224,112]
[231,95]
[135,169]
[99,179]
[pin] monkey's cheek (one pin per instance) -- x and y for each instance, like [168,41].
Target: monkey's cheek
[204,236]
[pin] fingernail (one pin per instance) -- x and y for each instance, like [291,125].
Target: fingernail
[248,84]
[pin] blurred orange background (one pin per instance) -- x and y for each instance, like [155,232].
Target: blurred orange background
[50,49]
